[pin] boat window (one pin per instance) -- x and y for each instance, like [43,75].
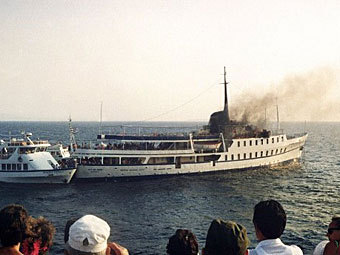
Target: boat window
[238,156]
[244,155]
[282,138]
[8,166]
[284,150]
[261,153]
[255,154]
[94,161]
[111,161]
[278,139]
[250,143]
[14,166]
[245,143]
[18,166]
[3,166]
[191,159]
[250,155]
[52,164]
[162,160]
[41,149]
[273,140]
[272,152]
[238,144]
[277,150]
[267,141]
[262,141]
[133,161]
[232,156]
[5,153]
[256,142]
[267,153]
[25,167]
[226,157]
[211,158]
[26,150]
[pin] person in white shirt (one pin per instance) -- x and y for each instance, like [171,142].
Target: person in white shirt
[270,221]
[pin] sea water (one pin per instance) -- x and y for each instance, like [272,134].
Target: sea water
[144,213]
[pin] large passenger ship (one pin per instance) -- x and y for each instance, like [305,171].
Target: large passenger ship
[221,145]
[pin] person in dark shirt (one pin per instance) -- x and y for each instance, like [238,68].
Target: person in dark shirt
[183,242]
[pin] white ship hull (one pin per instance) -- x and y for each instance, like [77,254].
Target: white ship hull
[38,176]
[236,157]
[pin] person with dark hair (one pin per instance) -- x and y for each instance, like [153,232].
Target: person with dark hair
[12,228]
[183,242]
[39,236]
[67,228]
[330,247]
[270,221]
[226,238]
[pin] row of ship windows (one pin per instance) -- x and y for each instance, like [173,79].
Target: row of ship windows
[256,154]
[6,167]
[261,141]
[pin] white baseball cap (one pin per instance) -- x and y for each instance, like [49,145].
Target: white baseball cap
[89,234]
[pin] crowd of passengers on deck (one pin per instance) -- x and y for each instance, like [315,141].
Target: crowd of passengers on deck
[135,146]
[22,234]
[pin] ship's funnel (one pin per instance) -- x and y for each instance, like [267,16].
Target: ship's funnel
[219,120]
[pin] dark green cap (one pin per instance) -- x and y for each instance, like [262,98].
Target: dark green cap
[226,238]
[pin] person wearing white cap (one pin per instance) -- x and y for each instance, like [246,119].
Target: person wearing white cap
[89,236]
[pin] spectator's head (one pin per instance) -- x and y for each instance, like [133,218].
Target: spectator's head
[39,236]
[46,231]
[67,228]
[333,232]
[12,225]
[88,236]
[269,219]
[183,242]
[226,238]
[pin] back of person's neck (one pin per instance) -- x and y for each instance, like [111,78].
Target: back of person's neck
[259,236]
[10,250]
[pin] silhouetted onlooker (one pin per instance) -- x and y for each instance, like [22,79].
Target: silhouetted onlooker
[183,242]
[226,238]
[12,228]
[270,221]
[333,233]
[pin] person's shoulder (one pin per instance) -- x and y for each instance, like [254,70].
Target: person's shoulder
[296,250]
[319,249]
[252,252]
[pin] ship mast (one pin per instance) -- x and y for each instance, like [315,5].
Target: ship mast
[72,131]
[226,110]
[277,117]
[101,117]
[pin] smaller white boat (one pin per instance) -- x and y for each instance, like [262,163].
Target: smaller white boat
[26,161]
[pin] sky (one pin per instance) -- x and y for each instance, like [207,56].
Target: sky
[163,60]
